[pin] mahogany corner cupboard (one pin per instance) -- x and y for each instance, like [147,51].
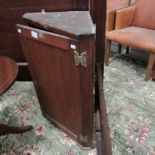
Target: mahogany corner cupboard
[59,48]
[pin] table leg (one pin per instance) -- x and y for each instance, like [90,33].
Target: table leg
[5,129]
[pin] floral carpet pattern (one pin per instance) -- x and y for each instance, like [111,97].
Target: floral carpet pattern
[20,106]
[130,107]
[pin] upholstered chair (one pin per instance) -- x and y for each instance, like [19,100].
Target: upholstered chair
[135,27]
[112,6]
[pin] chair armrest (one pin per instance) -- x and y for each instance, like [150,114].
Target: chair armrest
[124,17]
[110,20]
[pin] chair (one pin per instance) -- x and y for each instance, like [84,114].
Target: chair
[8,73]
[112,6]
[135,27]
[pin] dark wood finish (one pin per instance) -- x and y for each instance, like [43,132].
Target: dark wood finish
[107,54]
[100,29]
[5,129]
[54,5]
[119,48]
[11,13]
[93,10]
[65,91]
[23,74]
[103,141]
[105,134]
[103,137]
[99,141]
[127,50]
[149,70]
[82,4]
[8,73]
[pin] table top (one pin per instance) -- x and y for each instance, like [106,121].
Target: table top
[8,73]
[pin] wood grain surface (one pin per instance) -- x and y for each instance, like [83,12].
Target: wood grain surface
[11,12]
[8,73]
[65,91]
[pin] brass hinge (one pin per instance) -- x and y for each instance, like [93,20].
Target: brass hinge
[80,59]
[83,139]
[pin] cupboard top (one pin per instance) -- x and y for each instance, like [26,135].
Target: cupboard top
[70,23]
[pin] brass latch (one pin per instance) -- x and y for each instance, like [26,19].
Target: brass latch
[83,139]
[80,59]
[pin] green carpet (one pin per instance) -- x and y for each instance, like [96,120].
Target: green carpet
[130,107]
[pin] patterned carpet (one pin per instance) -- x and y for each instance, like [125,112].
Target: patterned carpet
[130,106]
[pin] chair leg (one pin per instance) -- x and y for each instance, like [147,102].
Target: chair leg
[153,74]
[150,66]
[107,52]
[119,48]
[127,50]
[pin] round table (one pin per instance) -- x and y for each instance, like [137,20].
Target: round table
[8,74]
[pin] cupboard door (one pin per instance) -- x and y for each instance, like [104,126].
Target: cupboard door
[64,84]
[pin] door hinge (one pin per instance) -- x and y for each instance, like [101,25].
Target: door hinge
[80,59]
[83,139]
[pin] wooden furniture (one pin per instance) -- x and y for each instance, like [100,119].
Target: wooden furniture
[8,73]
[135,29]
[11,13]
[60,50]
[112,6]
[55,48]
[102,128]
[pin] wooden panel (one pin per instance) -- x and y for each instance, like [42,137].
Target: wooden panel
[82,4]
[49,38]
[52,4]
[8,73]
[9,42]
[65,91]
[93,10]
[102,134]
[11,12]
